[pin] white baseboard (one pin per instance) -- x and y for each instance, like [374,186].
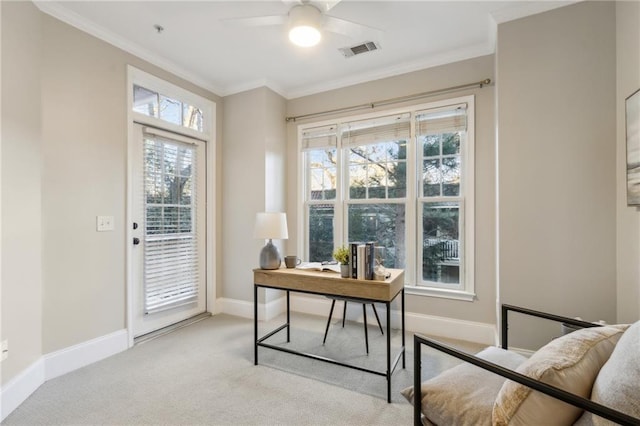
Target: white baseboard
[57,363]
[451,328]
[54,364]
[244,309]
[303,304]
[471,331]
[18,389]
[316,306]
[77,356]
[414,322]
[321,306]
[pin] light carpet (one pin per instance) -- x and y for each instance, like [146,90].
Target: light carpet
[204,374]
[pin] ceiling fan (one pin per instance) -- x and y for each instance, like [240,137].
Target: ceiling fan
[307,19]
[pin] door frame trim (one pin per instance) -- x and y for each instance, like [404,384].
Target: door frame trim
[135,75]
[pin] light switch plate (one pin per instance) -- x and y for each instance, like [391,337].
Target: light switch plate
[104,223]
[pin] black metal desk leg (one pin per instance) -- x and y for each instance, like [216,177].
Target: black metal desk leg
[388,352]
[404,350]
[255,324]
[366,335]
[288,318]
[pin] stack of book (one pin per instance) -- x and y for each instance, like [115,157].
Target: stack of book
[361,260]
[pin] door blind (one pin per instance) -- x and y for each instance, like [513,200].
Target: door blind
[171,270]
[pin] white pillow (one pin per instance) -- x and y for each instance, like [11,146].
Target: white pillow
[464,395]
[618,383]
[570,362]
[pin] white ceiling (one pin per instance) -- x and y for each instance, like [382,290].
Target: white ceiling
[198,45]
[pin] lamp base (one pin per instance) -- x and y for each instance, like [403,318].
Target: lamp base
[270,257]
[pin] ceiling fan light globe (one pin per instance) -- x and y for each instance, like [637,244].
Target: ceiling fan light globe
[304,36]
[304,25]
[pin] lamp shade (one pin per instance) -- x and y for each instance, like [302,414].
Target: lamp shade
[271,226]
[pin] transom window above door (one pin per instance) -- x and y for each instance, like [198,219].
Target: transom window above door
[154,104]
[163,105]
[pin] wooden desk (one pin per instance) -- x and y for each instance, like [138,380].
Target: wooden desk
[330,284]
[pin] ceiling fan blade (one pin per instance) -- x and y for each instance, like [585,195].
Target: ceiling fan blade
[257,21]
[350,29]
[322,5]
[291,3]
[327,5]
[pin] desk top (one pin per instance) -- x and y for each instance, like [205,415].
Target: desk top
[330,283]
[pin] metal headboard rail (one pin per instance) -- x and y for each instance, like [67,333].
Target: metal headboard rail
[558,318]
[586,404]
[555,392]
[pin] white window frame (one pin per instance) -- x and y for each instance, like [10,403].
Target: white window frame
[138,77]
[413,281]
[162,87]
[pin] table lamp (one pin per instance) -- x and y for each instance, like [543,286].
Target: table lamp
[270,226]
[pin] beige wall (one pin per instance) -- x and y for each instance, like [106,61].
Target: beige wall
[252,181]
[556,149]
[65,145]
[84,175]
[21,244]
[275,165]
[628,218]
[483,309]
[1,205]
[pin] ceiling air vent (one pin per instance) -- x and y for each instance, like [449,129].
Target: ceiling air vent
[365,47]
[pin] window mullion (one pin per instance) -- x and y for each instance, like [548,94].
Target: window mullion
[413,176]
[339,232]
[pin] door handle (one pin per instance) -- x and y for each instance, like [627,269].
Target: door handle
[136,241]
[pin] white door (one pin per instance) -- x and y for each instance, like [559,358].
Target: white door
[169,178]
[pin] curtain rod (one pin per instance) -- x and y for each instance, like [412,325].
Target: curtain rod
[372,105]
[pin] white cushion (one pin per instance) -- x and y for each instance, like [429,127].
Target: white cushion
[570,362]
[464,395]
[618,383]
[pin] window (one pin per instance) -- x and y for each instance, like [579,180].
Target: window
[402,179]
[172,251]
[154,104]
[320,148]
[168,169]
[440,135]
[375,152]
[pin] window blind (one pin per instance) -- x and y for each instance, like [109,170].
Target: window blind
[442,120]
[171,272]
[382,129]
[324,137]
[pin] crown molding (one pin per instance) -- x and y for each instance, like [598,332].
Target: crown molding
[527,9]
[429,62]
[63,14]
[67,16]
[255,84]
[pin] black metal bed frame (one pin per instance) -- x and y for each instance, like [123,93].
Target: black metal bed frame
[555,392]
